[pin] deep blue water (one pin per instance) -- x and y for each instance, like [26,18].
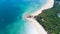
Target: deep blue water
[11,12]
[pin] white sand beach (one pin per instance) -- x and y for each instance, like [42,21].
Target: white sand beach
[32,21]
[49,4]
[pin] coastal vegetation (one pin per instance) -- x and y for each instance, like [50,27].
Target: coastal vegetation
[50,19]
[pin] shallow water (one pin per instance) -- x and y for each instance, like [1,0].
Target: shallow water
[11,12]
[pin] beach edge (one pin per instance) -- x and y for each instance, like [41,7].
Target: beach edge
[30,17]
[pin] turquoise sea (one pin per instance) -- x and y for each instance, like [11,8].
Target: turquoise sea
[11,12]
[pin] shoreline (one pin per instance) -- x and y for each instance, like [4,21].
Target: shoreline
[30,17]
[49,4]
